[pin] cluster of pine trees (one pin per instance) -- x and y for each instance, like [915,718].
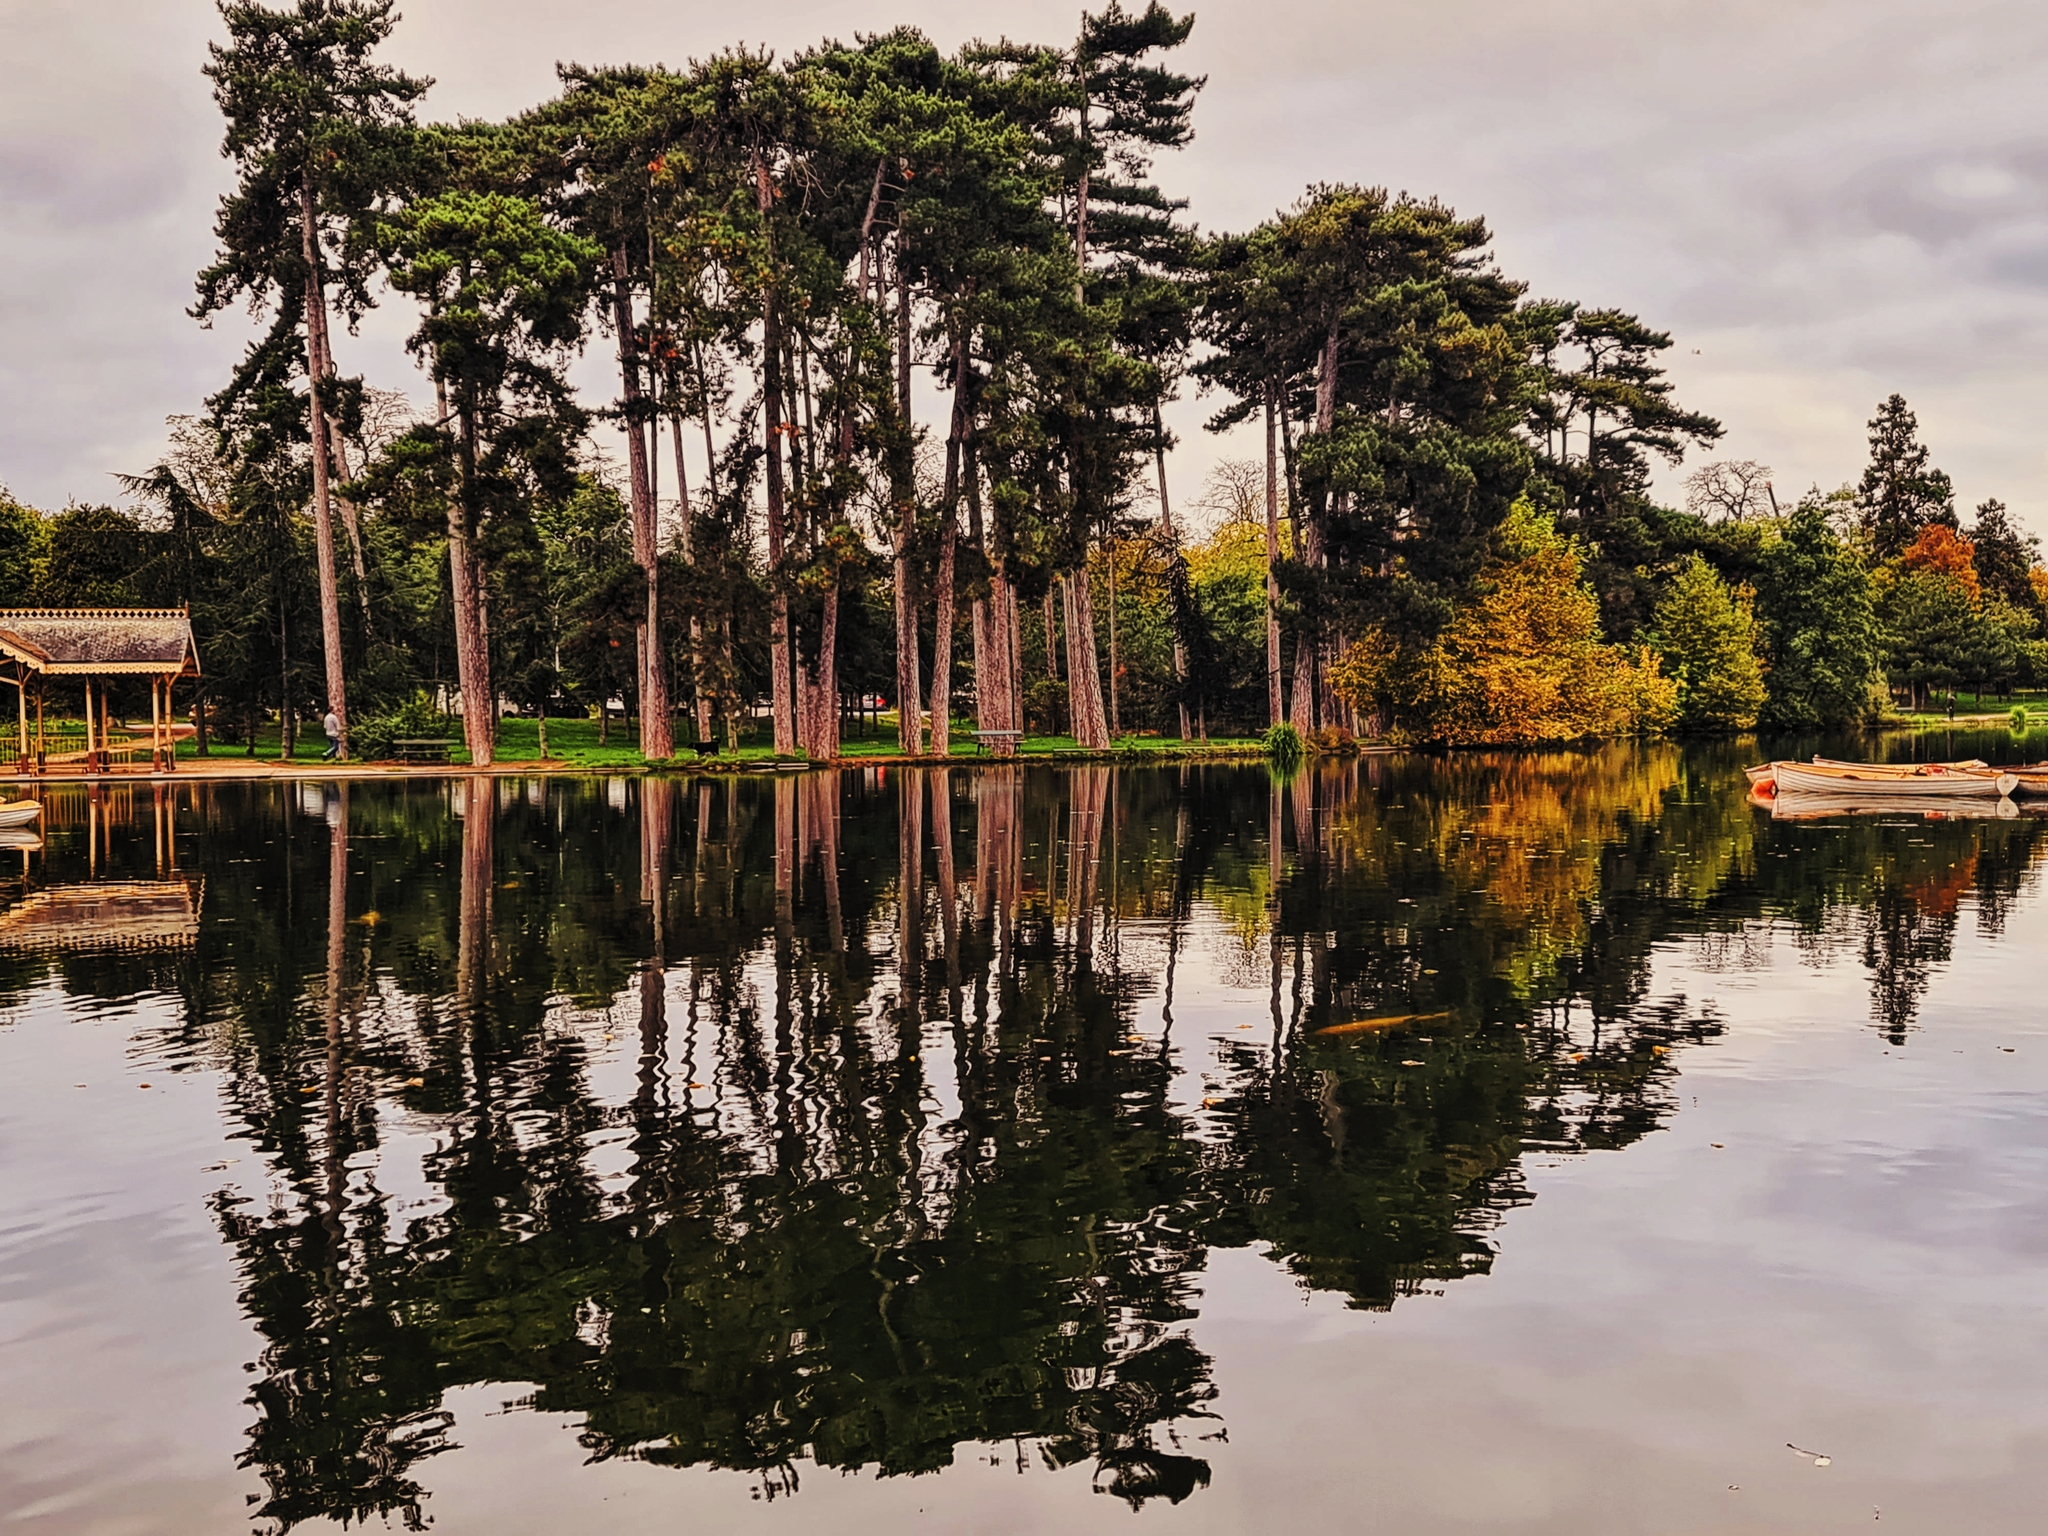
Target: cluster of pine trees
[1451,535]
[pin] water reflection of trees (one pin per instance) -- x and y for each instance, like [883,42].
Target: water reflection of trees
[810,1120]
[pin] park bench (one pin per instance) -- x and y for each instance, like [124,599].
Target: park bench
[983,738]
[420,749]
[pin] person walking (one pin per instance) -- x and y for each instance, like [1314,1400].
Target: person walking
[332,727]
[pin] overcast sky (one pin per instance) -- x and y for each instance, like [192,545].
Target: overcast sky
[1824,200]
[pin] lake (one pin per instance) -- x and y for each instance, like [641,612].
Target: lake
[1535,1142]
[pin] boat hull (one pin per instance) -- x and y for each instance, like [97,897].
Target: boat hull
[19,813]
[1765,775]
[1862,784]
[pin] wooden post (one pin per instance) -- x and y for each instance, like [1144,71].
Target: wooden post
[170,742]
[42,753]
[156,726]
[23,763]
[90,760]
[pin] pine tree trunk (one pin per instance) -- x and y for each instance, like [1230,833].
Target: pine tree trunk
[700,713]
[1304,690]
[1052,650]
[1275,708]
[909,738]
[826,701]
[1015,630]
[909,693]
[1308,646]
[782,698]
[1115,718]
[1084,672]
[942,645]
[472,645]
[1180,649]
[657,737]
[323,465]
[350,522]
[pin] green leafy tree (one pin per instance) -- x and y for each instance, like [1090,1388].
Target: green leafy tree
[1821,640]
[1932,629]
[24,546]
[1707,638]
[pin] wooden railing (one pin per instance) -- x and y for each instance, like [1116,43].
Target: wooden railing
[64,744]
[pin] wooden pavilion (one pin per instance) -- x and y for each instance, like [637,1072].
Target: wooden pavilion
[95,646]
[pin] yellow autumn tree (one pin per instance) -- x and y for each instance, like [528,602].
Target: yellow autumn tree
[1522,661]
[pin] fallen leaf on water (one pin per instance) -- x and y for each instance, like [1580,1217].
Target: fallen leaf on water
[1819,1458]
[1411,1063]
[1210,1103]
[415,1082]
[145,1085]
[1658,1050]
[370,919]
[696,1085]
[1383,1021]
[1714,1143]
[302,1090]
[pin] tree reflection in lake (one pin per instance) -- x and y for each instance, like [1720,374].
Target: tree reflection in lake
[841,1119]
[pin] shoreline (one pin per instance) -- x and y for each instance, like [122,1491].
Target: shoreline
[250,770]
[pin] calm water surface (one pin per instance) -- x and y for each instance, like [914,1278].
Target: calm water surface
[1535,1143]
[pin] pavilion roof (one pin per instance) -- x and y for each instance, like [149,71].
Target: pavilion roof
[99,641]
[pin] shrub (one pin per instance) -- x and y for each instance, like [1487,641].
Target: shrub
[1707,639]
[1284,746]
[370,738]
[2019,717]
[1334,739]
[1045,706]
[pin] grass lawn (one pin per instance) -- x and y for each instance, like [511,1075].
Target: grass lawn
[2035,703]
[575,743]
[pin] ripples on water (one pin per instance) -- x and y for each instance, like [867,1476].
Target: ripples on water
[515,1150]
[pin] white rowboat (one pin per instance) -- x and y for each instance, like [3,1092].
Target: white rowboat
[1766,773]
[1883,782]
[19,813]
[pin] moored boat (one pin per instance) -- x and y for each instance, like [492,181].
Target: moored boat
[1894,781]
[19,813]
[1765,774]
[1903,770]
[2031,782]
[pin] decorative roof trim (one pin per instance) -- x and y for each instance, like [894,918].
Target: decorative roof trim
[94,613]
[184,666]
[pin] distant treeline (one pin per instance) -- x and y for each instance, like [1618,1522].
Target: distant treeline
[1450,536]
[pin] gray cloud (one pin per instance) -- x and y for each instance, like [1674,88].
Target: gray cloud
[1824,202]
